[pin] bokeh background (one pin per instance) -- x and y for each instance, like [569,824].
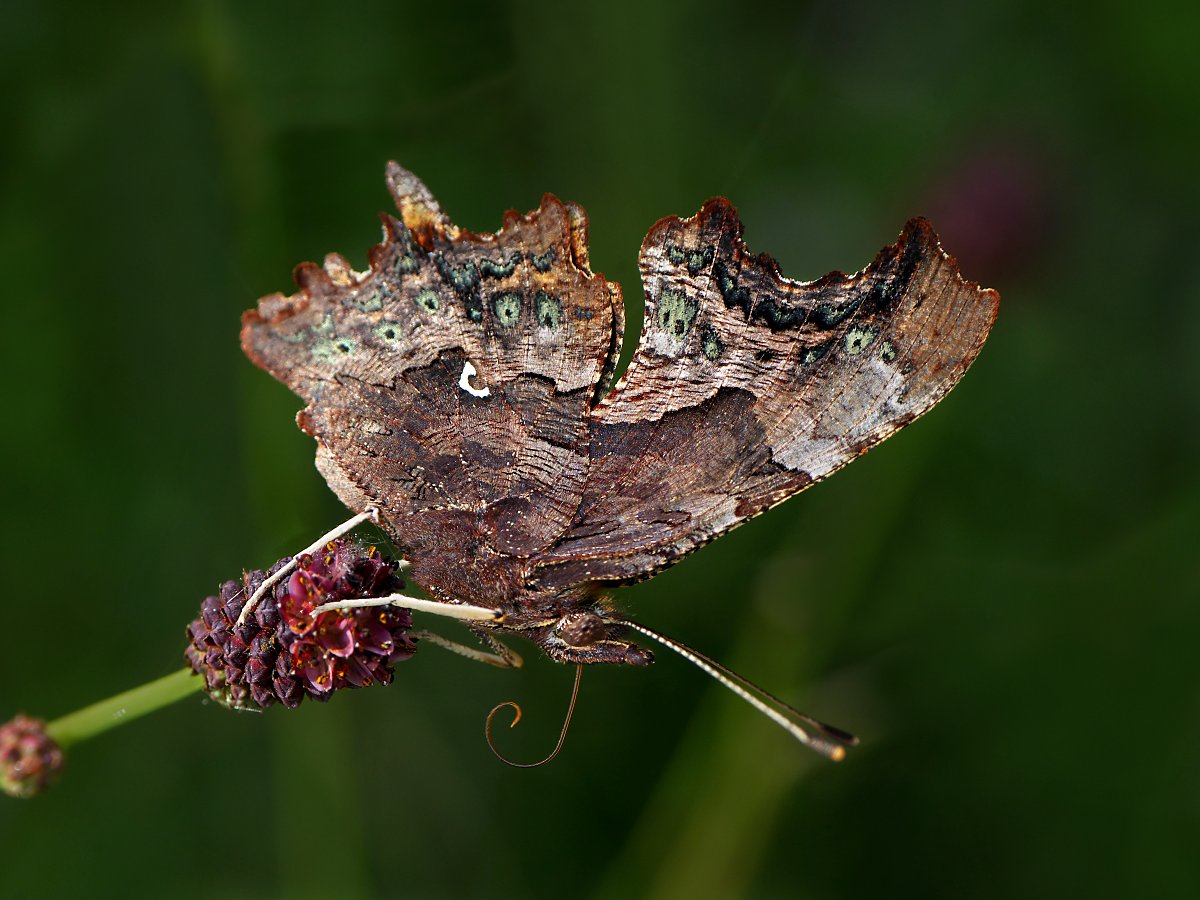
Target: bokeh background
[1002,600]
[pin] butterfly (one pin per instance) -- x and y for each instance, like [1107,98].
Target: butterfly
[458,391]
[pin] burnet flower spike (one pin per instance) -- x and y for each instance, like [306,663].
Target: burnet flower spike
[285,650]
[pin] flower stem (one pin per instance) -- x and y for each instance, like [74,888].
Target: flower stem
[121,708]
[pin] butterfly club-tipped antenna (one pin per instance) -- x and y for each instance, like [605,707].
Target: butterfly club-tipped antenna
[829,741]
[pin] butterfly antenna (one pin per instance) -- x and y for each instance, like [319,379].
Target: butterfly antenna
[487,727]
[825,739]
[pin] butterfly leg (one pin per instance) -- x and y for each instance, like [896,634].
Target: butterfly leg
[510,656]
[349,525]
[504,657]
[464,611]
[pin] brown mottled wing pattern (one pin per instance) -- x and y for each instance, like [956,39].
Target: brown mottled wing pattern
[748,387]
[472,472]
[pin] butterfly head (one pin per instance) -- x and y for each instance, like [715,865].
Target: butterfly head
[590,637]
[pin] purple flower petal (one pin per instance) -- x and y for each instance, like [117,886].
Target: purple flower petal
[314,665]
[335,633]
[354,671]
[371,633]
[298,603]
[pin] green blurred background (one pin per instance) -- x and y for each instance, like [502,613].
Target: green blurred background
[1001,601]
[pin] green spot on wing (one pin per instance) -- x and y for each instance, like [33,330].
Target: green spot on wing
[325,329]
[369,303]
[675,313]
[428,301]
[508,308]
[502,269]
[699,259]
[330,349]
[859,338]
[388,332]
[548,310]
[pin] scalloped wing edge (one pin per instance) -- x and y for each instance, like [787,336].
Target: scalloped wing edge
[917,227]
[422,214]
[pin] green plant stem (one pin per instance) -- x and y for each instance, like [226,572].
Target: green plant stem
[124,707]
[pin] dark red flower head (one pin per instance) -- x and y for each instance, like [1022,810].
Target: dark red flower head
[287,651]
[29,758]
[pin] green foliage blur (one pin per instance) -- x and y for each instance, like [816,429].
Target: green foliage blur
[1001,601]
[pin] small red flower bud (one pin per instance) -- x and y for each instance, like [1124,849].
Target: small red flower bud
[29,758]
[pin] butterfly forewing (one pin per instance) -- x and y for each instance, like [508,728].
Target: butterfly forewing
[747,387]
[449,384]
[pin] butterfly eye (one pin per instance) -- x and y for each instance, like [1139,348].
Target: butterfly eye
[581,630]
